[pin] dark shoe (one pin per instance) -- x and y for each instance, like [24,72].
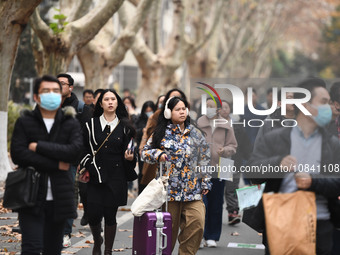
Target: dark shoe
[16,230]
[109,234]
[84,221]
[97,238]
[234,218]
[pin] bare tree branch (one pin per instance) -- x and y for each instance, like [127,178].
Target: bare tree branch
[155,26]
[40,28]
[83,7]
[126,39]
[195,47]
[134,2]
[84,29]
[144,56]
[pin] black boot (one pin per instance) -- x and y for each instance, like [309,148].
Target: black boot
[97,238]
[109,234]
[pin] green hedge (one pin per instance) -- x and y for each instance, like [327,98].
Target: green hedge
[13,114]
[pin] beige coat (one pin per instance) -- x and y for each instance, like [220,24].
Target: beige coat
[218,139]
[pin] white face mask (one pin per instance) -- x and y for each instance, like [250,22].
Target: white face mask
[211,112]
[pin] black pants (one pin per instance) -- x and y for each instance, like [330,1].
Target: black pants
[336,242]
[96,212]
[41,233]
[324,238]
[83,195]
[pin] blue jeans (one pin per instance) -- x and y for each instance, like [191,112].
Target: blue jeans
[214,207]
[69,222]
[40,233]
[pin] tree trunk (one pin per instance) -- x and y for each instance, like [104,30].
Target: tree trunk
[14,16]
[157,80]
[95,68]
[55,62]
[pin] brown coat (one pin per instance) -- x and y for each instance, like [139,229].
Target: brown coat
[149,170]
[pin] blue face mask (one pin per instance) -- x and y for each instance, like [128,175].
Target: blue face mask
[149,114]
[324,116]
[50,101]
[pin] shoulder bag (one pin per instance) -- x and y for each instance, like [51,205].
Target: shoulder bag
[83,174]
[21,189]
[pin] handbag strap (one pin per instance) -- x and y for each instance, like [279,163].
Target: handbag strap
[107,138]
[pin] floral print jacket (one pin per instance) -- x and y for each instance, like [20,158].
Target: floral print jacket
[187,152]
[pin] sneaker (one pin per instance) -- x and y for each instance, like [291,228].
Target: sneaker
[84,221]
[203,244]
[67,241]
[234,218]
[211,243]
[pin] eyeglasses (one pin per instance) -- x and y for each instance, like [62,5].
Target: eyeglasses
[64,83]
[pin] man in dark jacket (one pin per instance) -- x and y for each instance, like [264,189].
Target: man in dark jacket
[84,114]
[306,144]
[49,139]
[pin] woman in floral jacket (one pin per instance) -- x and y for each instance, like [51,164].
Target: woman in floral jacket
[184,148]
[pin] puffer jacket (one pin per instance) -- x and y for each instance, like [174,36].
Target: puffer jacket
[63,143]
[187,152]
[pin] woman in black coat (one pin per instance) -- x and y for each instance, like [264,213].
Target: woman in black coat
[107,163]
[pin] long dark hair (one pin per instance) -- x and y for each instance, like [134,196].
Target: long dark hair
[121,111]
[159,132]
[144,107]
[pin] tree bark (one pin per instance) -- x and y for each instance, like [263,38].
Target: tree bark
[59,49]
[101,53]
[158,69]
[14,16]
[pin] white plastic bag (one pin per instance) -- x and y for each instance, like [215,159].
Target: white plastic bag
[152,197]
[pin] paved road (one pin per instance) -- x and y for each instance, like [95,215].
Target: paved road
[82,238]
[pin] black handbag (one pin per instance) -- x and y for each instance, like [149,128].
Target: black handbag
[130,174]
[21,188]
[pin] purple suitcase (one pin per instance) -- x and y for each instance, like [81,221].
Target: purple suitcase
[147,238]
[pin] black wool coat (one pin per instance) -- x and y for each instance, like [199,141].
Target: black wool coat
[108,184]
[63,143]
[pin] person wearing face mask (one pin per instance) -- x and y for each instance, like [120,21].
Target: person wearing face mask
[160,101]
[222,143]
[148,109]
[310,144]
[49,139]
[334,128]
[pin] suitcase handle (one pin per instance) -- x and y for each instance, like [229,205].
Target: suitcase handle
[165,241]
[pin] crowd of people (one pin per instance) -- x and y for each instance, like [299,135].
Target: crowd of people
[64,134]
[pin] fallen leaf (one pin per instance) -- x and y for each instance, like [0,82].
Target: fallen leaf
[124,209]
[260,234]
[125,230]
[80,234]
[5,218]
[81,247]
[88,241]
[235,233]
[130,236]
[118,250]
[68,252]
